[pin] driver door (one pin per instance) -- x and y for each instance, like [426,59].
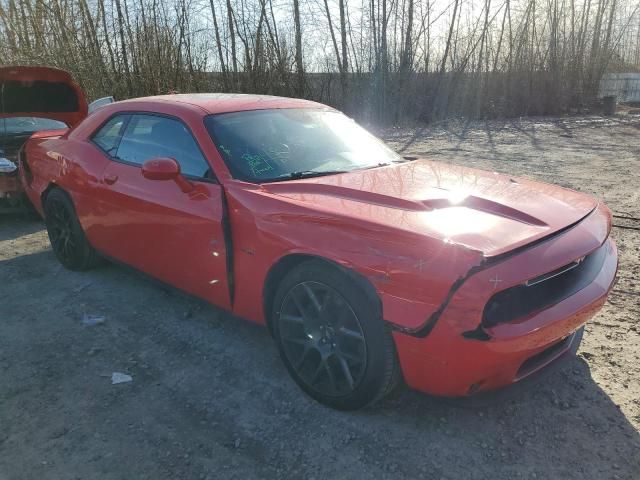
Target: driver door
[174,236]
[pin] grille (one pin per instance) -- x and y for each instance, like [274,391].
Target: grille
[544,291]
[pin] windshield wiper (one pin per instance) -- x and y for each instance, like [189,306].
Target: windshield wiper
[319,173]
[407,158]
[304,174]
[377,165]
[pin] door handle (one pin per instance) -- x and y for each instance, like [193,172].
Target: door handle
[110,179]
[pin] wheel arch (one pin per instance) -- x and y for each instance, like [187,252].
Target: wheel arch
[84,256]
[45,193]
[285,264]
[53,186]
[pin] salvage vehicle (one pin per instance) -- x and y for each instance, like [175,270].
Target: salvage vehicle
[366,267]
[32,99]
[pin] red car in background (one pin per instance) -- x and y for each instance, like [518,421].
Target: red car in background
[366,266]
[32,99]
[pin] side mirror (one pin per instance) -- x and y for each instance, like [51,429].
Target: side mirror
[164,168]
[160,169]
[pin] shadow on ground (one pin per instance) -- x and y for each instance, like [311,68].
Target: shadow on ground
[15,226]
[210,399]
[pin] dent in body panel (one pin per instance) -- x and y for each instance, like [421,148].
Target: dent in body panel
[515,268]
[410,273]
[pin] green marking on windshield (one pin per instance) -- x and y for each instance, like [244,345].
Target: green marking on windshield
[225,150]
[257,163]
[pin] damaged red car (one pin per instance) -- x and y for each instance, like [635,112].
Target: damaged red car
[367,267]
[32,99]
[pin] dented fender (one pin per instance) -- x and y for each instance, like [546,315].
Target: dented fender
[411,274]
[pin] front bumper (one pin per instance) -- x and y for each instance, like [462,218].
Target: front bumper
[446,363]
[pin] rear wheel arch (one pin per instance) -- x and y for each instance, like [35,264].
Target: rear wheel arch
[54,186]
[45,193]
[284,265]
[66,235]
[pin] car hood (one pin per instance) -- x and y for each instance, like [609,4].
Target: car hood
[43,92]
[483,211]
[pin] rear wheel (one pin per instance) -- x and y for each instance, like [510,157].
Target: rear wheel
[65,233]
[332,338]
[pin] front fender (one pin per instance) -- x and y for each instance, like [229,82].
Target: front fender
[411,274]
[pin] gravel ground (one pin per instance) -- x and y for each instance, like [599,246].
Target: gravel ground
[210,398]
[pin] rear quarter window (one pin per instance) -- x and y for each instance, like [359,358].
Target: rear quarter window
[108,136]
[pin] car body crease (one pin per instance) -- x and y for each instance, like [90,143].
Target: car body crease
[426,328]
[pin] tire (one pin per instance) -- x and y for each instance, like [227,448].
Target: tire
[67,238]
[331,337]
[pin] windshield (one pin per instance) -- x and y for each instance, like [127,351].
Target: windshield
[16,125]
[266,145]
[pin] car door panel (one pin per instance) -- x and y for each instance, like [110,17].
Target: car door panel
[173,236]
[153,225]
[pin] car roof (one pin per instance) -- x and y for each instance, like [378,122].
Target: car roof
[212,103]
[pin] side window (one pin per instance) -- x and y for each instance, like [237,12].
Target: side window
[150,136]
[108,136]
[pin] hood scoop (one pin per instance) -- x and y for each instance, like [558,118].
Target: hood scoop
[342,192]
[449,200]
[487,206]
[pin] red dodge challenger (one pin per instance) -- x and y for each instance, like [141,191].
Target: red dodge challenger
[366,266]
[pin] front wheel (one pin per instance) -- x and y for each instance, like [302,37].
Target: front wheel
[332,338]
[67,238]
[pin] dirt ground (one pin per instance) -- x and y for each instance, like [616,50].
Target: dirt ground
[210,398]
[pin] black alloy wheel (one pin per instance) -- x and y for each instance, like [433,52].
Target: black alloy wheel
[60,229]
[322,338]
[67,238]
[331,337]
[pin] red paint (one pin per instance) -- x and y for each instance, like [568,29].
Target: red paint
[160,169]
[445,363]
[9,186]
[28,75]
[412,230]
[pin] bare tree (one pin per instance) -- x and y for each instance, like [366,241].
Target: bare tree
[386,60]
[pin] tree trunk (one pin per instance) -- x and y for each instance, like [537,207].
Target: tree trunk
[299,66]
[225,76]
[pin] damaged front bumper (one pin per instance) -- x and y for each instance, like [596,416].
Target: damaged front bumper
[448,361]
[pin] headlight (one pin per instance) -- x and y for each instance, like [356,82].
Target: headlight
[7,166]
